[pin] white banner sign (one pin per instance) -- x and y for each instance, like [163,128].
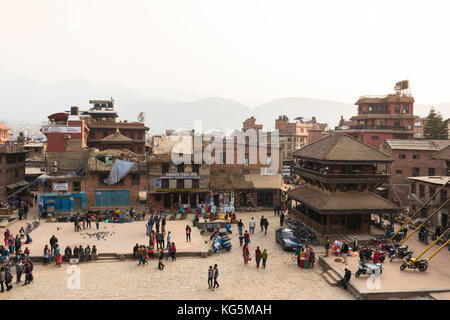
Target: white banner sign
[51,129]
[60,187]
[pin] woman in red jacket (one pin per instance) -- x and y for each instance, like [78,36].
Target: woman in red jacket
[376,256]
[173,250]
[257,256]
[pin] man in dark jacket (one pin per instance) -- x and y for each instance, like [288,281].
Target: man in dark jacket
[53,242]
[327,247]
[266,225]
[281,219]
[68,253]
[347,276]
[261,223]
[28,272]
[345,252]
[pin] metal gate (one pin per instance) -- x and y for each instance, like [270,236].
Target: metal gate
[112,198]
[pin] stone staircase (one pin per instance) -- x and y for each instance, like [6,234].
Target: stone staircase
[332,278]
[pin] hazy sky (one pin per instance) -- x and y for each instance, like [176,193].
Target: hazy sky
[247,50]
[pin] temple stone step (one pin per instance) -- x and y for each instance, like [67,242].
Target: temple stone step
[329,279]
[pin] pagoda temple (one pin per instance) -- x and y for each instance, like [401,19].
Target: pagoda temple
[340,174]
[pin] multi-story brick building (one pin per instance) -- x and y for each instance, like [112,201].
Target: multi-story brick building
[421,190]
[383,117]
[107,133]
[414,158]
[296,135]
[4,133]
[418,127]
[130,191]
[12,169]
[411,158]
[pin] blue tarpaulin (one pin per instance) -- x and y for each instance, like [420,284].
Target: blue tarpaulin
[119,170]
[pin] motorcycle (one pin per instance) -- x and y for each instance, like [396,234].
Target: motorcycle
[423,235]
[366,268]
[209,227]
[400,253]
[173,216]
[222,243]
[412,263]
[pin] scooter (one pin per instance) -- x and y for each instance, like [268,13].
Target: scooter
[222,243]
[413,263]
[400,253]
[366,268]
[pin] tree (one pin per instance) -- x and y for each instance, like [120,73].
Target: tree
[141,117]
[435,127]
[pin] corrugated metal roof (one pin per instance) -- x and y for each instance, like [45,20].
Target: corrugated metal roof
[408,144]
[434,180]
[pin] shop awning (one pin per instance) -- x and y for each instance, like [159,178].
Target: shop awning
[12,186]
[22,183]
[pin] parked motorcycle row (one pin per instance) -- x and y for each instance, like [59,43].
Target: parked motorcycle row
[221,241]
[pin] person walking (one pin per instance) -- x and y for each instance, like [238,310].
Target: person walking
[257,257]
[28,271]
[161,261]
[302,258]
[169,250]
[264,256]
[169,239]
[345,252]
[245,254]
[307,258]
[262,223]
[157,222]
[252,226]
[188,233]
[274,210]
[246,238]
[266,226]
[355,244]
[88,221]
[215,276]
[97,223]
[46,256]
[312,257]
[173,252]
[240,227]
[281,219]
[327,247]
[210,277]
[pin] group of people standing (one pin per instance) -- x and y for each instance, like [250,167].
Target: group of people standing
[305,257]
[21,266]
[13,245]
[156,241]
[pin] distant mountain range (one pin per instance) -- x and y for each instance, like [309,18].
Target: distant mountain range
[30,102]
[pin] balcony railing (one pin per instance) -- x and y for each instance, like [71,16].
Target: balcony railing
[342,176]
[381,127]
[316,226]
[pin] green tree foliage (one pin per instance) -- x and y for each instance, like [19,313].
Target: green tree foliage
[435,127]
